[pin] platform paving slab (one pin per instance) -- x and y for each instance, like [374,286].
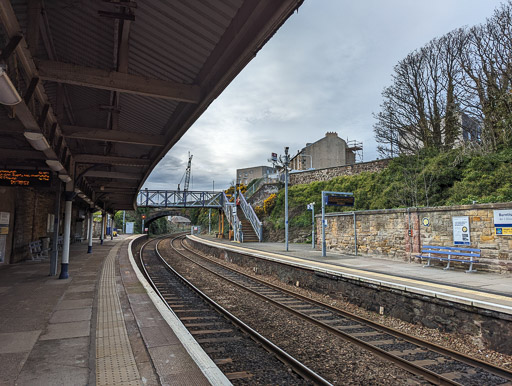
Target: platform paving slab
[67,330]
[50,328]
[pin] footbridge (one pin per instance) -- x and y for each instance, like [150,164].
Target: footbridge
[205,199]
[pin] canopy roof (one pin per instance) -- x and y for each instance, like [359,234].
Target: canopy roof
[113,85]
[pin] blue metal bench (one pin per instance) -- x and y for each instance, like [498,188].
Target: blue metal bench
[37,252]
[450,254]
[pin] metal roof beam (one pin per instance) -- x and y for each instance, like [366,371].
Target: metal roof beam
[117,81]
[113,175]
[22,154]
[108,159]
[119,136]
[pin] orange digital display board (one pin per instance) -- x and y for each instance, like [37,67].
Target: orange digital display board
[339,200]
[20,177]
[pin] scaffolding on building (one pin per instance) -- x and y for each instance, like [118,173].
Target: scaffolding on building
[356,147]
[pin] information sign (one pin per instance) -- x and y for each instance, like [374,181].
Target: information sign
[503,231]
[20,177]
[503,218]
[461,230]
[340,199]
[129,227]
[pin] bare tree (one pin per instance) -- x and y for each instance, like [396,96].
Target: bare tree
[420,108]
[485,55]
[458,84]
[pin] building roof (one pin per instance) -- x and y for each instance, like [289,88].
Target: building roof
[113,85]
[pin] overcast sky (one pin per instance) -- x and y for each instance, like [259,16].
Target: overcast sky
[323,71]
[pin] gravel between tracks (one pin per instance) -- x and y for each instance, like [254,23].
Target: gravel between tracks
[335,359]
[454,341]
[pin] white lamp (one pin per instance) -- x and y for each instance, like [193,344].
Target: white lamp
[8,93]
[55,165]
[65,178]
[37,140]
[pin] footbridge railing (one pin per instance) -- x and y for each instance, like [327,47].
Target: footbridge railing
[196,199]
[179,199]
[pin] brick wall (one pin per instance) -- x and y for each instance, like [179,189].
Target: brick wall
[326,174]
[31,215]
[386,233]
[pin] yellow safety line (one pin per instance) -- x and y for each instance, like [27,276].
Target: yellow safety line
[374,274]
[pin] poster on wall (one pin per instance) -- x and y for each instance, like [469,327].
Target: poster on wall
[503,222]
[4,223]
[461,230]
[129,227]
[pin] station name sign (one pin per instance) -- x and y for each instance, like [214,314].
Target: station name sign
[338,199]
[21,177]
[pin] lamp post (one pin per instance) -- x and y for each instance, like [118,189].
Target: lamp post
[284,162]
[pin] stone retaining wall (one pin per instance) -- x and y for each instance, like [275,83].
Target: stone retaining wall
[263,193]
[399,233]
[308,176]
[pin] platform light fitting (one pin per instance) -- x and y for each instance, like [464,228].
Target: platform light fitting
[55,165]
[37,140]
[65,178]
[8,93]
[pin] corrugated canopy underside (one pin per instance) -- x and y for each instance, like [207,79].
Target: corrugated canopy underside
[125,80]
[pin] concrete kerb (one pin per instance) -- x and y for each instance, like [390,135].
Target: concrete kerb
[203,361]
[411,289]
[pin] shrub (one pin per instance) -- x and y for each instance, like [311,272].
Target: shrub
[259,212]
[269,204]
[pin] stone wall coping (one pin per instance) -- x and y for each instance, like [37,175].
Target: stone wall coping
[498,205]
[376,161]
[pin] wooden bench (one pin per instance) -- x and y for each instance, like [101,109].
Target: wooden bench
[450,254]
[36,250]
[78,238]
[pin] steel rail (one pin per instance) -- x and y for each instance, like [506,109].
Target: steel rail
[282,355]
[501,372]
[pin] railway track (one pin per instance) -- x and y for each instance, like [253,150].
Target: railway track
[434,363]
[241,353]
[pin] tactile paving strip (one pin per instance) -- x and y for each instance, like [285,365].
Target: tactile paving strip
[115,363]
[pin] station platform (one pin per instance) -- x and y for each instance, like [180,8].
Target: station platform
[101,326]
[480,289]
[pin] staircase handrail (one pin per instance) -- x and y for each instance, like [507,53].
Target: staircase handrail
[254,187]
[252,217]
[227,207]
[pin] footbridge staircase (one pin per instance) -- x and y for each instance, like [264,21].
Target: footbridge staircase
[242,218]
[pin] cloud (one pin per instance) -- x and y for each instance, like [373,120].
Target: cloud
[324,70]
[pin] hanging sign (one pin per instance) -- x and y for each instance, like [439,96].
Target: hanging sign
[461,230]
